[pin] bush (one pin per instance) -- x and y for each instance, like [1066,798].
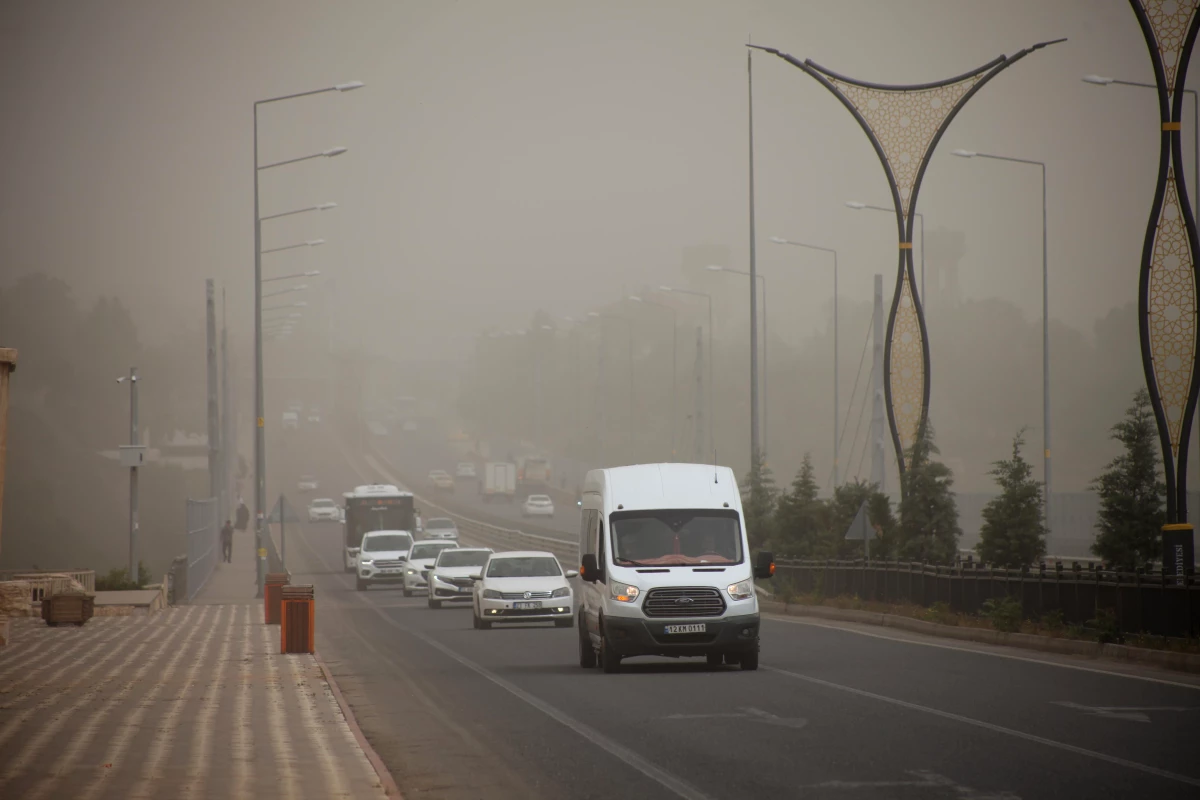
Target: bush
[940,613]
[1107,627]
[1005,613]
[117,580]
[1052,620]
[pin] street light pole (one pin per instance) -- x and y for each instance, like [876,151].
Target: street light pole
[836,444]
[759,276]
[674,361]
[711,374]
[857,206]
[1045,322]
[260,442]
[133,473]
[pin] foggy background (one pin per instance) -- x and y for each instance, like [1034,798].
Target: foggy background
[521,157]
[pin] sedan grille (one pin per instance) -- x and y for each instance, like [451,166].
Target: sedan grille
[464,582]
[525,595]
[683,602]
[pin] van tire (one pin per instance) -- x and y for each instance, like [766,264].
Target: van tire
[750,661]
[610,662]
[587,653]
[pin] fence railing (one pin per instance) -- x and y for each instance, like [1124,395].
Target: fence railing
[1141,603]
[203,531]
[84,577]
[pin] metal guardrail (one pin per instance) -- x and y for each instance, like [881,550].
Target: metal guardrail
[84,577]
[203,531]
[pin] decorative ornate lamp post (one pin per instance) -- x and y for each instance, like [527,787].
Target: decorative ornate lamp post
[904,125]
[1167,279]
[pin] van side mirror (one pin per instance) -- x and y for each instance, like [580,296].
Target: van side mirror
[764,565]
[589,570]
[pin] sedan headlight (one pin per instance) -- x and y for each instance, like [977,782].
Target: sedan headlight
[410,572]
[491,594]
[562,591]
[624,593]
[440,580]
[742,590]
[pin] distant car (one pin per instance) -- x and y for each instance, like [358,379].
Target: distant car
[441,528]
[307,483]
[538,505]
[291,420]
[441,480]
[322,509]
[420,560]
[450,579]
[523,586]
[382,558]
[465,469]
[314,415]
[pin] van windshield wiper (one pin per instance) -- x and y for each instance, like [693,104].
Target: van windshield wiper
[634,563]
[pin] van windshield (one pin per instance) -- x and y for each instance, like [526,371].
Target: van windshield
[676,537]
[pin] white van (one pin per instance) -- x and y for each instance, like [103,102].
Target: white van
[666,567]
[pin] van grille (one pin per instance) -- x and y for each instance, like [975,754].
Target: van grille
[683,602]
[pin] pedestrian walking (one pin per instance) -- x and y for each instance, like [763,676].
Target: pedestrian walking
[227,542]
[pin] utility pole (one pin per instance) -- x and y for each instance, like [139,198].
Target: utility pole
[214,411]
[228,425]
[134,440]
[8,363]
[698,414]
[754,440]
[878,453]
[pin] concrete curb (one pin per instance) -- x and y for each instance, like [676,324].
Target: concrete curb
[1180,662]
[385,777]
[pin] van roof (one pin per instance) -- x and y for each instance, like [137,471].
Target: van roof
[645,486]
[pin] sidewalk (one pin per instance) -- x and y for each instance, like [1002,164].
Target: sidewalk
[193,702]
[236,582]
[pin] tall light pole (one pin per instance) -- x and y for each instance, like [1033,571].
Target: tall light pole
[134,441]
[260,442]
[317,207]
[1045,320]
[830,250]
[310,243]
[312,273]
[711,375]
[766,431]
[857,206]
[674,360]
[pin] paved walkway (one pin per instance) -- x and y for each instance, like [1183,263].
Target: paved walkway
[193,702]
[235,582]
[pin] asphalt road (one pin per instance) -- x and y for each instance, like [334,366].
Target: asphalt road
[832,713]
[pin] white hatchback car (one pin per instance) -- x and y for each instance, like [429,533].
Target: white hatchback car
[322,509]
[523,586]
[382,558]
[441,528]
[420,561]
[538,505]
[450,579]
[307,483]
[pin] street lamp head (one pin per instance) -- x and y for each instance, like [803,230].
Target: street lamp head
[857,206]
[635,298]
[325,206]
[965,153]
[314,242]
[778,239]
[312,273]
[665,289]
[547,327]
[593,314]
[715,268]
[1098,80]
[349,86]
[301,304]
[333,151]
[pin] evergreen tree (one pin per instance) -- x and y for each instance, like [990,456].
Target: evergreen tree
[928,528]
[847,499]
[758,502]
[1131,492]
[801,516]
[1013,533]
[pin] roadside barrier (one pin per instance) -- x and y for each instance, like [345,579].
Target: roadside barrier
[297,632]
[273,597]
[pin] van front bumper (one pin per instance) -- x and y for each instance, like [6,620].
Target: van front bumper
[630,636]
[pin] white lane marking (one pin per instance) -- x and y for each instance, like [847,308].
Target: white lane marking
[86,733]
[55,720]
[923,779]
[753,714]
[1044,662]
[1125,713]
[122,738]
[154,767]
[989,726]
[199,766]
[242,736]
[660,776]
[335,786]
[285,760]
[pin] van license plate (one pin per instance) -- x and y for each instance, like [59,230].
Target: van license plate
[694,628]
[527,605]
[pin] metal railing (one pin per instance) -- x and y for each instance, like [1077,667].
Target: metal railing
[84,577]
[203,533]
[1139,603]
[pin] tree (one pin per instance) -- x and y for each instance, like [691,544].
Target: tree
[1013,533]
[758,501]
[928,528]
[1131,492]
[847,499]
[800,516]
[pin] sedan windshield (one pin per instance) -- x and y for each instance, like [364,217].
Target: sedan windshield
[463,558]
[524,567]
[439,523]
[676,537]
[390,541]
[427,550]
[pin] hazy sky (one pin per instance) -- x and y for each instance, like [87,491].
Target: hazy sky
[513,154]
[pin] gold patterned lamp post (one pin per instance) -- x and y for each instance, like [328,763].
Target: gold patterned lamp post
[904,125]
[1167,280]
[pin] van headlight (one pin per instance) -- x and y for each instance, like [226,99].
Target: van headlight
[562,591]
[624,592]
[366,562]
[743,590]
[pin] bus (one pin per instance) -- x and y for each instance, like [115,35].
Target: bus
[375,507]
